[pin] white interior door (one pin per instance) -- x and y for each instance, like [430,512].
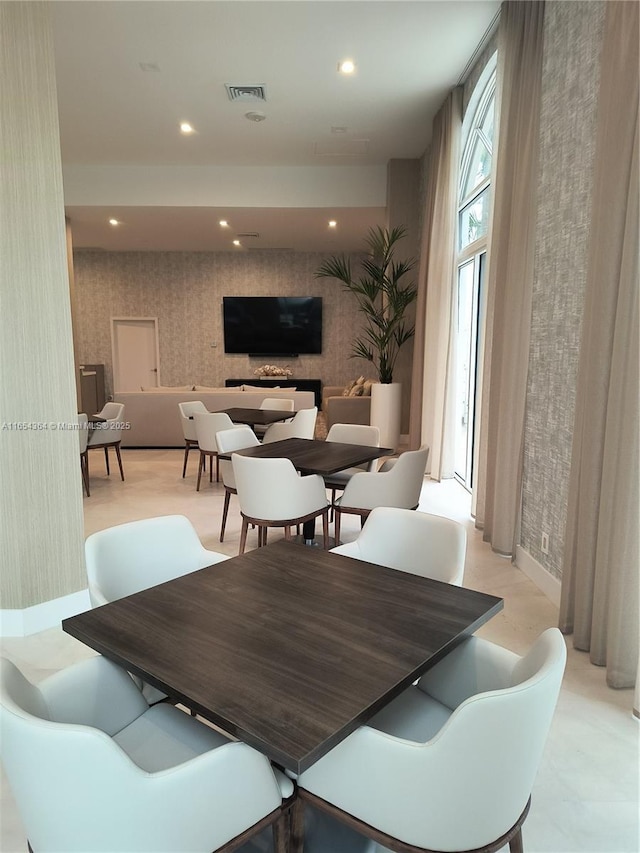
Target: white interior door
[135,353]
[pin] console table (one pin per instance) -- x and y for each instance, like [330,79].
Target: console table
[314,385]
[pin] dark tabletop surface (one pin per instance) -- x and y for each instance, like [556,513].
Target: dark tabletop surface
[288,648]
[257,416]
[312,456]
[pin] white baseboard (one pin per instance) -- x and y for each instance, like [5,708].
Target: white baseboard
[545,582]
[49,614]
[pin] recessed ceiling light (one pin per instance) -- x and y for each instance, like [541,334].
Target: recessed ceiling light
[347,66]
[255,115]
[332,223]
[113,222]
[223,223]
[236,242]
[186,128]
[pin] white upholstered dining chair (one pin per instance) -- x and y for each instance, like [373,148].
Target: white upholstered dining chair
[398,486]
[449,764]
[351,434]
[279,404]
[207,426]
[229,440]
[187,411]
[130,557]
[93,768]
[412,541]
[108,434]
[272,494]
[83,438]
[302,425]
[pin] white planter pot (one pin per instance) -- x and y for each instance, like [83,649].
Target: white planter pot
[385,412]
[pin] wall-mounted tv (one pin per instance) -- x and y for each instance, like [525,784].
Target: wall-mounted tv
[272,325]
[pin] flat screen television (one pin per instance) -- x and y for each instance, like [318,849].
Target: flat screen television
[272,325]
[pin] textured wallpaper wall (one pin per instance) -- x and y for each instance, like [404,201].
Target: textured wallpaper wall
[571,67]
[184,291]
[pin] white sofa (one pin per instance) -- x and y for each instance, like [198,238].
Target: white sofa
[154,418]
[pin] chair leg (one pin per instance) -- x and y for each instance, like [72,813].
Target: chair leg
[200,464]
[117,447]
[287,533]
[225,511]
[211,469]
[280,832]
[106,459]
[243,535]
[84,468]
[186,456]
[325,530]
[333,497]
[515,845]
[296,827]
[336,526]
[217,468]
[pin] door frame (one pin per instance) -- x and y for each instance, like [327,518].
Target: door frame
[115,320]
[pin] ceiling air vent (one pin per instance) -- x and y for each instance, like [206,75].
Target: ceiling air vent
[249,234]
[255,92]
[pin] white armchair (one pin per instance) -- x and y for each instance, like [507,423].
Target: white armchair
[272,494]
[187,411]
[229,440]
[131,557]
[108,434]
[399,486]
[93,768]
[302,425]
[450,764]
[275,404]
[415,542]
[83,438]
[351,434]
[207,426]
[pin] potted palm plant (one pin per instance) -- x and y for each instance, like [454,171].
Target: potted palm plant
[384,295]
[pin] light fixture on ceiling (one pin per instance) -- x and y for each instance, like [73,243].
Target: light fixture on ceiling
[223,223]
[255,115]
[186,128]
[333,223]
[347,66]
[237,243]
[113,222]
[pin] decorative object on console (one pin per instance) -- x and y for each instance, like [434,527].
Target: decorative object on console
[269,370]
[383,296]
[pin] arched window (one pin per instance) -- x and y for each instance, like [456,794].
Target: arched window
[474,201]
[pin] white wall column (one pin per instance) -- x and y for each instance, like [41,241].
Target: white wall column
[41,522]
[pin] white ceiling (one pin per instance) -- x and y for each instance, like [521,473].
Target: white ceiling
[284,177]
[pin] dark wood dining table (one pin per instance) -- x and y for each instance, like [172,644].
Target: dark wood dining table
[289,649]
[251,417]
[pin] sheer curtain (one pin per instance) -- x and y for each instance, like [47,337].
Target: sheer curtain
[431,352]
[510,276]
[599,601]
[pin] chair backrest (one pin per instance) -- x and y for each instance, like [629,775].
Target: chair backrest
[271,488]
[280,404]
[135,556]
[398,487]
[207,425]
[83,431]
[355,434]
[233,439]
[113,412]
[302,425]
[415,542]
[187,410]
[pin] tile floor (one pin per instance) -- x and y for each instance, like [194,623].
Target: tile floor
[586,795]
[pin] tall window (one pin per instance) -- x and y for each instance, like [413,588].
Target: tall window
[473,226]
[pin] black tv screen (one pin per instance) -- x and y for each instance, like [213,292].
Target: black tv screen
[272,325]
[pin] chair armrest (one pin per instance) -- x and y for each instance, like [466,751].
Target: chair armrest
[94,692]
[475,666]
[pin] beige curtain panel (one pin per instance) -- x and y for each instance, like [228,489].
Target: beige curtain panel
[510,274]
[599,602]
[435,278]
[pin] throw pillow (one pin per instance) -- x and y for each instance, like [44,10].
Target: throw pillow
[357,390]
[367,387]
[348,387]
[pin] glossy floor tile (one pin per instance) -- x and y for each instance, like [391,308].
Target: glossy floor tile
[585,799]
